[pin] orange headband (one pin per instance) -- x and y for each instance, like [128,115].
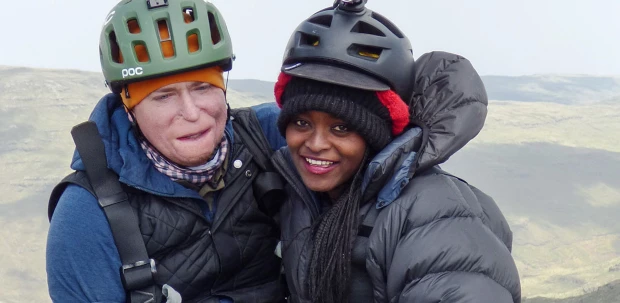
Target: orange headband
[139,90]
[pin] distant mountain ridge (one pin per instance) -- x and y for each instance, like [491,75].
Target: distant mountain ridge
[608,293]
[564,89]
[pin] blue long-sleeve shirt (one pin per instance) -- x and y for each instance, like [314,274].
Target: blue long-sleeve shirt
[82,260]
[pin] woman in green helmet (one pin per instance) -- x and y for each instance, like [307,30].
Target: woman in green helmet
[192,211]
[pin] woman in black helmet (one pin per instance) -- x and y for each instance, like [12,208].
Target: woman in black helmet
[370,216]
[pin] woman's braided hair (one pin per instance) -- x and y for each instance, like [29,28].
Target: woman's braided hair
[334,234]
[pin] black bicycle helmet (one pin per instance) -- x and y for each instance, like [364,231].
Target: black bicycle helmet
[350,45]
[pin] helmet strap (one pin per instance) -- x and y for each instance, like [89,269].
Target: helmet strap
[134,124]
[225,95]
[127,96]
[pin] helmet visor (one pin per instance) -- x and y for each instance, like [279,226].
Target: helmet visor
[334,75]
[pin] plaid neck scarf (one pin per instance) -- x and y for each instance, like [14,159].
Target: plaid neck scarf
[199,175]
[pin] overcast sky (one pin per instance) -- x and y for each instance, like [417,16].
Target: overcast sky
[500,37]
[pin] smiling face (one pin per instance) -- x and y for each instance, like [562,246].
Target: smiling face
[184,121]
[325,151]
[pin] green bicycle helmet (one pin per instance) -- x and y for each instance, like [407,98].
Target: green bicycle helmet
[133,47]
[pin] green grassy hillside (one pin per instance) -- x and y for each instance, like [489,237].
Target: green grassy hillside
[553,167]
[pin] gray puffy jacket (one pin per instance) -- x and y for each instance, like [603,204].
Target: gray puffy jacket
[426,235]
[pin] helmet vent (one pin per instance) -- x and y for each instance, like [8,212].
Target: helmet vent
[133,26]
[188,14]
[366,52]
[192,43]
[216,36]
[306,39]
[141,52]
[387,23]
[115,51]
[167,49]
[365,28]
[192,36]
[323,20]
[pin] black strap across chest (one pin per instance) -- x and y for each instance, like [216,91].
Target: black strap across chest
[137,268]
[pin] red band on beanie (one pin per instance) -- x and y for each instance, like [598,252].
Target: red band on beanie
[399,111]
[278,89]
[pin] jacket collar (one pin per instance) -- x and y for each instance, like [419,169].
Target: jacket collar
[283,163]
[391,169]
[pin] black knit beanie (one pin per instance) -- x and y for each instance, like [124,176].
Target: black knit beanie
[360,109]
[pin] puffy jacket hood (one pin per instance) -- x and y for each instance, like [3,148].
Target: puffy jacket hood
[450,102]
[448,109]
